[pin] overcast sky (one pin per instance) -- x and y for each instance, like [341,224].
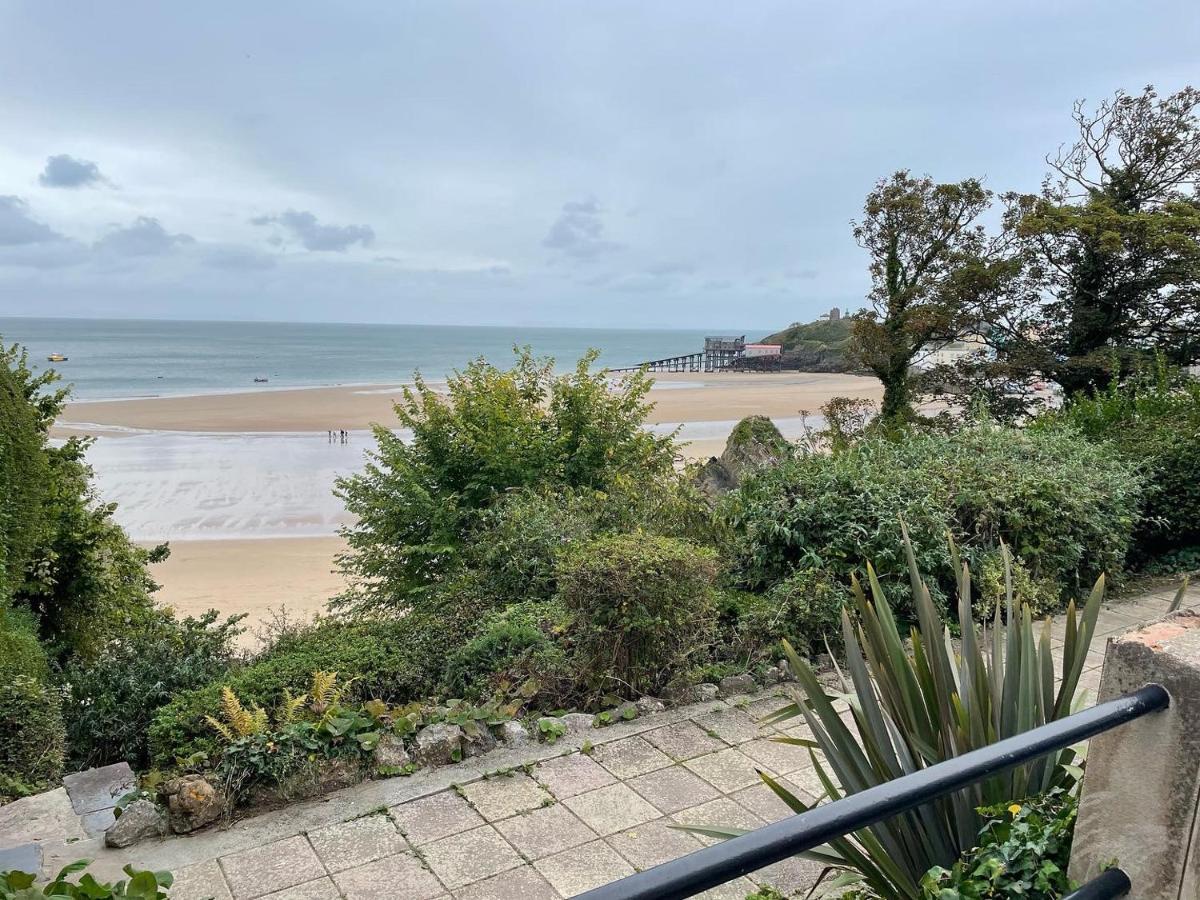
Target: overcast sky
[561,163]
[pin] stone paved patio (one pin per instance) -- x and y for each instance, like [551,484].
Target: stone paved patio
[540,821]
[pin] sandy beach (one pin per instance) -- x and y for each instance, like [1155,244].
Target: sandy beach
[240,484]
[683,397]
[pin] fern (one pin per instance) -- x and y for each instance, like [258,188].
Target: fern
[289,708]
[324,692]
[239,721]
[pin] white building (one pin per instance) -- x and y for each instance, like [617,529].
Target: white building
[950,352]
[763,350]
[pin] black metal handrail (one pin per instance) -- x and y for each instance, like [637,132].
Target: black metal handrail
[719,863]
[1110,884]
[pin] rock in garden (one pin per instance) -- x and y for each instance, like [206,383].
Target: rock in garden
[191,803]
[141,819]
[703,693]
[772,675]
[577,723]
[477,741]
[647,706]
[391,754]
[513,734]
[732,685]
[439,745]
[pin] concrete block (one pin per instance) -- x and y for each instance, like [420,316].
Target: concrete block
[1139,801]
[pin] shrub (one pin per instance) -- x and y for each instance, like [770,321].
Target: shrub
[419,499]
[804,609]
[1023,851]
[908,714]
[522,642]
[20,651]
[642,606]
[145,885]
[31,726]
[395,660]
[1154,421]
[1065,506]
[112,700]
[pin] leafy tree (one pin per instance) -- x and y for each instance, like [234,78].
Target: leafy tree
[1109,249]
[491,432]
[64,558]
[930,261]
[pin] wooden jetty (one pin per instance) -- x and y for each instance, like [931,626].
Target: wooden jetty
[720,352]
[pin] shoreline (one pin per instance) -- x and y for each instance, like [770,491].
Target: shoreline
[686,397]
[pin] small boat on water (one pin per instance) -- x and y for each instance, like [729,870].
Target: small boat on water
[260,381]
[56,357]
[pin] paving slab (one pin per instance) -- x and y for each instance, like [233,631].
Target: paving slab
[438,816]
[766,804]
[726,770]
[653,843]
[791,876]
[502,796]
[471,856]
[610,809]
[525,883]
[673,789]
[270,868]
[202,881]
[99,788]
[545,832]
[777,758]
[399,877]
[566,776]
[683,740]
[722,813]
[43,818]
[357,842]
[22,858]
[321,889]
[583,868]
[630,757]
[732,725]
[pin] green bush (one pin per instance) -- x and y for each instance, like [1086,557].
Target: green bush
[491,431]
[1023,851]
[144,885]
[20,651]
[643,608]
[804,609]
[1065,507]
[513,645]
[31,736]
[112,700]
[1154,421]
[396,660]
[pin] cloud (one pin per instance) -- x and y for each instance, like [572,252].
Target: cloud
[18,227]
[145,237]
[801,274]
[65,171]
[237,259]
[578,232]
[317,237]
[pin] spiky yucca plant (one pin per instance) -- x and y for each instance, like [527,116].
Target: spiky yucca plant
[916,704]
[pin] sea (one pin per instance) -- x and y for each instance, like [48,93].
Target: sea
[122,358]
[172,485]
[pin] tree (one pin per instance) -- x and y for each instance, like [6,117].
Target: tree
[1109,249]
[490,433]
[930,262]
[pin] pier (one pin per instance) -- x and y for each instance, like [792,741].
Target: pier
[720,352]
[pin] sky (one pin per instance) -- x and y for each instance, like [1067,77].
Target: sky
[679,163]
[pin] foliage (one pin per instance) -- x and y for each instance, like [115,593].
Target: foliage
[1064,505]
[916,705]
[142,884]
[822,334]
[491,432]
[515,644]
[31,752]
[20,651]
[1109,249]
[928,260]
[1153,420]
[26,411]
[1023,851]
[642,606]
[112,700]
[396,660]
